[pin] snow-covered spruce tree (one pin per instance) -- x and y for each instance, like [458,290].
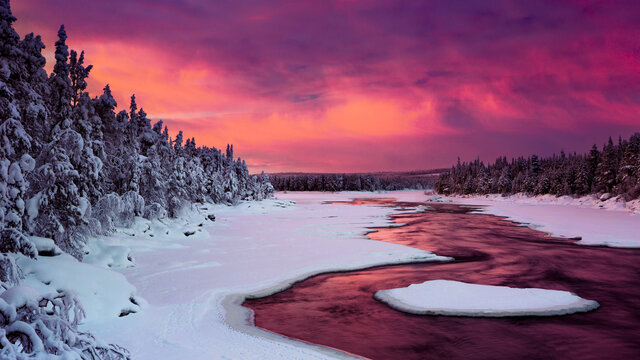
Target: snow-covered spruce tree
[266,188]
[33,91]
[89,160]
[605,178]
[212,164]
[132,144]
[15,143]
[582,180]
[78,74]
[118,156]
[66,168]
[59,98]
[504,182]
[230,178]
[177,192]
[156,156]
[195,173]
[57,207]
[627,176]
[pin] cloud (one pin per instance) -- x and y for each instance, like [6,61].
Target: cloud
[190,115]
[342,74]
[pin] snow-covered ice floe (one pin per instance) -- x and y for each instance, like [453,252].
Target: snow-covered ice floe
[588,219]
[454,298]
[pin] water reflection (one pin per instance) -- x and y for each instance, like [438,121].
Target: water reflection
[338,310]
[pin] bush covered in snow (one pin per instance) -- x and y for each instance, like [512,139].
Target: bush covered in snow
[32,325]
[154,211]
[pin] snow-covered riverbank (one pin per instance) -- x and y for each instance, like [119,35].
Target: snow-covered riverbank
[182,297]
[190,283]
[595,222]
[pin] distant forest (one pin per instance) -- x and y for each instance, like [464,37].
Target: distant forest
[355,182]
[614,170]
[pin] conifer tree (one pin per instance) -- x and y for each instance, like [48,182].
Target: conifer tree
[606,169]
[15,143]
[60,85]
[78,75]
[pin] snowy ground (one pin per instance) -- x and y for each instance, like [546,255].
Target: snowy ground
[445,297]
[181,299]
[188,286]
[606,223]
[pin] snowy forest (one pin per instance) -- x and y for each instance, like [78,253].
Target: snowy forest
[614,170]
[354,182]
[71,167]
[69,162]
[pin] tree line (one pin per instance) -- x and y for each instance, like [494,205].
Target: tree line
[72,167]
[613,170]
[349,182]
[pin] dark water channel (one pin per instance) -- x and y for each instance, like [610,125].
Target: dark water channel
[339,310]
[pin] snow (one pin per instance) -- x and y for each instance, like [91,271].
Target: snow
[22,327]
[45,245]
[182,298]
[114,256]
[104,294]
[603,223]
[19,296]
[454,298]
[193,286]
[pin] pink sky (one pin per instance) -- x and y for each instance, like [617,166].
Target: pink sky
[346,86]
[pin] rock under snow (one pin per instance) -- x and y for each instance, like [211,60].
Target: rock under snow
[445,297]
[45,246]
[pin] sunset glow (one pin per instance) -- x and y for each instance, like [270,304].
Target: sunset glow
[346,86]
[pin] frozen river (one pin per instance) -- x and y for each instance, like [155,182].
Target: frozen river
[338,310]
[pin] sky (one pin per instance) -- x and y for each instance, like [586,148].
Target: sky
[354,86]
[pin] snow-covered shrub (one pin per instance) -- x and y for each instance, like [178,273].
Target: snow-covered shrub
[175,206]
[37,326]
[105,209]
[132,200]
[93,226]
[154,211]
[112,210]
[13,241]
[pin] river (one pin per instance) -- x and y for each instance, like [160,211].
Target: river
[338,309]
